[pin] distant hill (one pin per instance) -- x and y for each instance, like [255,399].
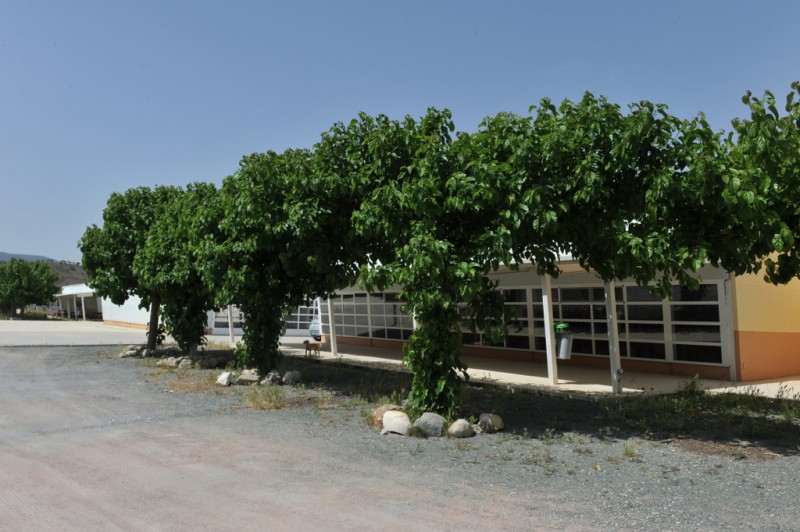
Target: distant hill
[68,272]
[5,257]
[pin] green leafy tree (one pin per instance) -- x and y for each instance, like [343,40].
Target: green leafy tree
[284,238]
[427,220]
[25,283]
[764,189]
[167,263]
[109,252]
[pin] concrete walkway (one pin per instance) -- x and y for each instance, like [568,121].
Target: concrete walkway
[575,381]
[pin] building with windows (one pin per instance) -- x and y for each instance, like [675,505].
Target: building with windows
[737,328]
[734,327]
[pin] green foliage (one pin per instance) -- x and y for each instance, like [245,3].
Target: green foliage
[637,194]
[109,252]
[167,263]
[25,283]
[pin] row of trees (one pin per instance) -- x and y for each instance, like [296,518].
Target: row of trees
[640,194]
[24,283]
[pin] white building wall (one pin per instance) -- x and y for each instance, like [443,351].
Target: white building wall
[127,313]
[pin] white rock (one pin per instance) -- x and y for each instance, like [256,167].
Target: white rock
[186,363]
[225,378]
[247,378]
[490,423]
[460,428]
[431,424]
[396,422]
[377,414]
[272,378]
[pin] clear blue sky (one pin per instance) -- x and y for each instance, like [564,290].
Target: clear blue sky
[102,96]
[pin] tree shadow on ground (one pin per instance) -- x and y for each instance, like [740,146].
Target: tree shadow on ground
[704,422]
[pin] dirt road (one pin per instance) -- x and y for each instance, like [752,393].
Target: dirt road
[90,442]
[87,444]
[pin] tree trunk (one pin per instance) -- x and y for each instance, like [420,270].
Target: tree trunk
[152,330]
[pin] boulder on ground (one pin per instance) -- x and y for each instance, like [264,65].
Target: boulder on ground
[273,378]
[132,351]
[490,423]
[225,379]
[396,422]
[292,377]
[247,377]
[186,363]
[431,424]
[461,428]
[377,414]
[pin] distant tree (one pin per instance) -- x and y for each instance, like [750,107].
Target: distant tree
[109,252]
[25,283]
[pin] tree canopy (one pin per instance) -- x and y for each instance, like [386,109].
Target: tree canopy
[109,252]
[636,193]
[25,283]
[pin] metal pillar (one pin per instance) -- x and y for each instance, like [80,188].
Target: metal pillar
[549,330]
[332,316]
[230,326]
[613,337]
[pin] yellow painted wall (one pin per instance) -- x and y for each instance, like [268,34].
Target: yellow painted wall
[761,306]
[767,328]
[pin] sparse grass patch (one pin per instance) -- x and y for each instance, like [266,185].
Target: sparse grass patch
[193,381]
[631,452]
[693,411]
[548,436]
[325,400]
[265,397]
[416,432]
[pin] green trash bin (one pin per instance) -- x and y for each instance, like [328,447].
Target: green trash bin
[563,341]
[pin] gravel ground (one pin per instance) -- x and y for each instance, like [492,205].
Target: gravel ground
[92,442]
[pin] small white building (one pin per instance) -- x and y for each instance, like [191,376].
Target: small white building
[78,301]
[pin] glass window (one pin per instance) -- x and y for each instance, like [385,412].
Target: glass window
[695,312]
[575,294]
[516,311]
[643,350]
[538,311]
[601,347]
[395,334]
[699,353]
[645,312]
[540,344]
[706,292]
[515,296]
[537,294]
[640,293]
[577,327]
[646,331]
[577,312]
[518,342]
[696,333]
[582,346]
